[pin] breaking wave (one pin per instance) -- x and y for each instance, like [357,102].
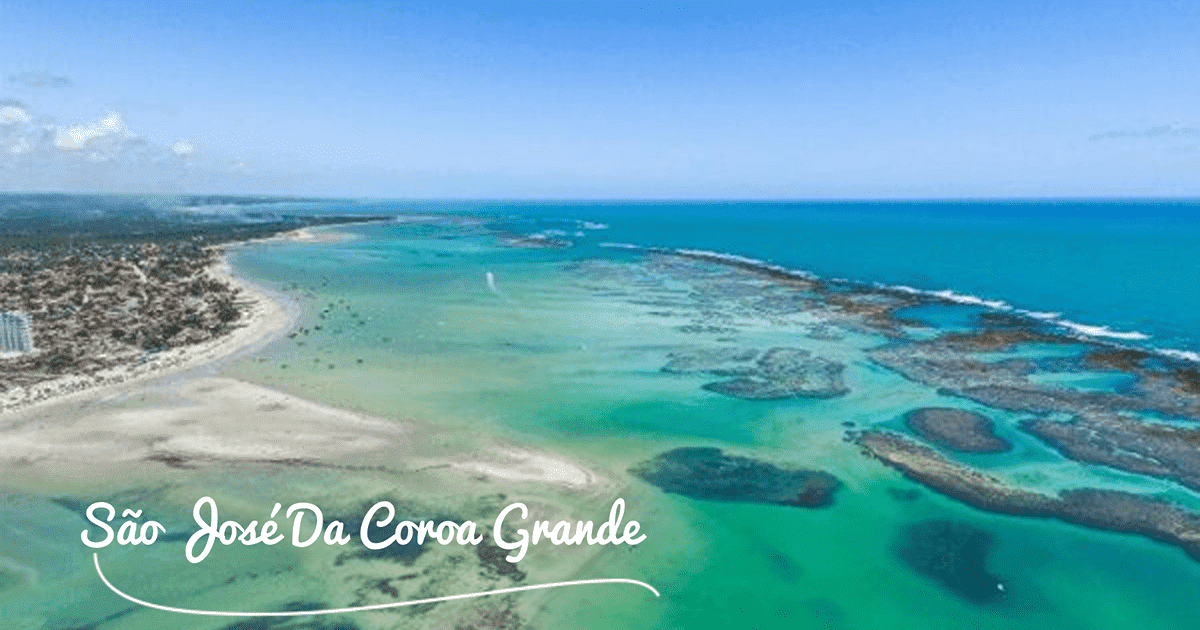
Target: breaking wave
[1075,329]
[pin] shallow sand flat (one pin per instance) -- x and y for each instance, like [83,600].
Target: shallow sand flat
[175,413]
[214,421]
[312,235]
[160,446]
[514,464]
[183,425]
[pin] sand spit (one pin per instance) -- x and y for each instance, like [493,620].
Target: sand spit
[207,423]
[199,422]
[131,421]
[309,235]
[514,464]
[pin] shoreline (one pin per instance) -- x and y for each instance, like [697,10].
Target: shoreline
[183,413]
[268,314]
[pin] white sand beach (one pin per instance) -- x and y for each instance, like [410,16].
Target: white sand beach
[265,317]
[175,411]
[315,235]
[516,464]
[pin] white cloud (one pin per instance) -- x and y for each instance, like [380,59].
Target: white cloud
[13,114]
[77,137]
[19,146]
[38,152]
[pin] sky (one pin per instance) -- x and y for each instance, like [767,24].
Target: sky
[646,100]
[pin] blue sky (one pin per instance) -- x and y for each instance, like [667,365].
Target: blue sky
[603,100]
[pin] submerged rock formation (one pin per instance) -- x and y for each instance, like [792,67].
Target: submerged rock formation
[778,373]
[1108,510]
[1126,443]
[707,473]
[719,361]
[534,241]
[947,363]
[953,554]
[956,429]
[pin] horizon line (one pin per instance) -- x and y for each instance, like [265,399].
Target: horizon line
[302,198]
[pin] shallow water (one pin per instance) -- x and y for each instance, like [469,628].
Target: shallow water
[563,350]
[566,355]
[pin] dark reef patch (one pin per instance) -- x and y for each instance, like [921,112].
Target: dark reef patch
[1161,386]
[783,566]
[778,373]
[824,333]
[1117,359]
[719,361]
[493,557]
[954,554]
[956,429]
[957,361]
[1107,510]
[999,339]
[95,625]
[492,615]
[707,473]
[406,553]
[533,241]
[904,495]
[294,623]
[1126,443]
[787,373]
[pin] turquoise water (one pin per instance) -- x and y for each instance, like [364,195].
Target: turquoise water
[565,355]
[563,352]
[1130,266]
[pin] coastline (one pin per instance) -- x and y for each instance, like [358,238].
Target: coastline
[220,428]
[157,434]
[267,314]
[179,411]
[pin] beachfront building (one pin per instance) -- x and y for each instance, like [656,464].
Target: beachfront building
[15,336]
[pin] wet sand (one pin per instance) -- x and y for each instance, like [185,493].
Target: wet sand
[160,435]
[174,411]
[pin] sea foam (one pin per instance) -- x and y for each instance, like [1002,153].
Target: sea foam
[1086,331]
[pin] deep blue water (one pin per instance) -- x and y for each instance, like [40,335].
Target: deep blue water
[1133,266]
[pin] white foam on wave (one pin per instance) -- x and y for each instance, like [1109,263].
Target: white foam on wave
[1056,319]
[1186,355]
[1039,315]
[588,225]
[974,300]
[744,261]
[1100,331]
[952,296]
[1052,318]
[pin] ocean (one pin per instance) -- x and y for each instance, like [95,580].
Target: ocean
[1126,266]
[465,321]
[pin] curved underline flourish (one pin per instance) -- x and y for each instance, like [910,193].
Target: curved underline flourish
[335,611]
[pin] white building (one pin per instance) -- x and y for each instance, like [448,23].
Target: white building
[15,336]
